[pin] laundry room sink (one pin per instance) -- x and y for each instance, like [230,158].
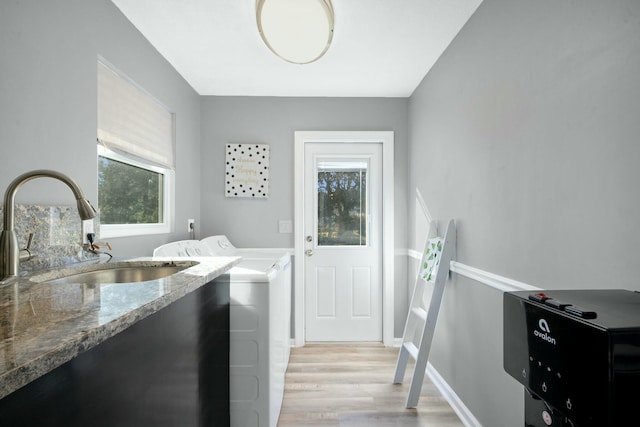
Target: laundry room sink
[122,273]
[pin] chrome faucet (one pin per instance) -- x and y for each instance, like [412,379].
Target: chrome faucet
[9,250]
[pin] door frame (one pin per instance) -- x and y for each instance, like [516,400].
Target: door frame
[386,138]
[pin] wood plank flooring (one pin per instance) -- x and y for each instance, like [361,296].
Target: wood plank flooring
[350,385]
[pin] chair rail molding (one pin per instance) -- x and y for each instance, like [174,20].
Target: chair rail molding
[495,281]
[500,283]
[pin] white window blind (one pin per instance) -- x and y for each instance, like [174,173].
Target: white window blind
[132,121]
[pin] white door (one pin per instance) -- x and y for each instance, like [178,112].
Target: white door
[343,241]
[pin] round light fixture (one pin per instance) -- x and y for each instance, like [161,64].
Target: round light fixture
[298,31]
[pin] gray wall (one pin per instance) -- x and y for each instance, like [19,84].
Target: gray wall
[273,121]
[526,131]
[48,56]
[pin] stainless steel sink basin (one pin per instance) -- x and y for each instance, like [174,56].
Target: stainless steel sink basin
[122,274]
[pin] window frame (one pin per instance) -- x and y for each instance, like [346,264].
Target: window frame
[126,230]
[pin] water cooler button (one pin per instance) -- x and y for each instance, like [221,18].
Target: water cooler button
[539,297]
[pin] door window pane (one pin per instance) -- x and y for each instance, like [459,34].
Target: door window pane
[342,203]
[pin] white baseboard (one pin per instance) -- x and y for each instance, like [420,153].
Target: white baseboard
[447,392]
[498,283]
[458,406]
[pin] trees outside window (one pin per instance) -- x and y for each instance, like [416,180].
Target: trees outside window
[342,208]
[128,194]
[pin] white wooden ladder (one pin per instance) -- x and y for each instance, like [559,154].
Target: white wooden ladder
[421,324]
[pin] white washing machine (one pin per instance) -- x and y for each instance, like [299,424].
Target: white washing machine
[221,246]
[260,330]
[183,248]
[260,314]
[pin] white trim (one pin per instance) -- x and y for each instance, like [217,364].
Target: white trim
[494,281]
[423,206]
[401,252]
[500,283]
[168,206]
[458,406]
[412,253]
[387,140]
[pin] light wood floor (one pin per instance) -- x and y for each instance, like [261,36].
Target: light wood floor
[333,385]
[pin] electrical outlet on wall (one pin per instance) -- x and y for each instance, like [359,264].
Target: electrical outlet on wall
[87,227]
[285,226]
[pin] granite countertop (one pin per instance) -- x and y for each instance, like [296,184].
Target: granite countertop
[43,325]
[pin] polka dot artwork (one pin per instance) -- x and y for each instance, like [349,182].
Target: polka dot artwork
[247,170]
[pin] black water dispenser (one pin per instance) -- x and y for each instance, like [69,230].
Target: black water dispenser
[577,352]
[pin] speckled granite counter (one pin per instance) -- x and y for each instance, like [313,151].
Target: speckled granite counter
[44,325]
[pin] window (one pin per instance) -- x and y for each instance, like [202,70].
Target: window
[135,158]
[342,202]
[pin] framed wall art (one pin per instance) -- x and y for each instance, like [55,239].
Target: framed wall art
[247,170]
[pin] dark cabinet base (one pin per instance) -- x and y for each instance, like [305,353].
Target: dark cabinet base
[170,369]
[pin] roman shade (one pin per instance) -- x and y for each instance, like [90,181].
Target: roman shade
[132,121]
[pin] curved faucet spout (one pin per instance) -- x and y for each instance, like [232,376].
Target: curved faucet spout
[9,251]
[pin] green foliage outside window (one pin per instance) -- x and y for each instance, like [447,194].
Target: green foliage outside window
[342,208]
[128,194]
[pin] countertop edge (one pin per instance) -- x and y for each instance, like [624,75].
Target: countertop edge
[35,368]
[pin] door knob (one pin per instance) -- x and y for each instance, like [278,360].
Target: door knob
[308,252]
[309,239]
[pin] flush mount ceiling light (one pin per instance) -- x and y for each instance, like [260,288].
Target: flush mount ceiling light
[298,31]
